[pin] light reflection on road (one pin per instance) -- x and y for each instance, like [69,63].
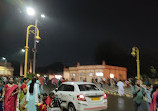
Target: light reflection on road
[121,103]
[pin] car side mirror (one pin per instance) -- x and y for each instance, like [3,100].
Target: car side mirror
[56,89]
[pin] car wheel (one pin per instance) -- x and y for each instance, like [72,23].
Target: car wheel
[71,107]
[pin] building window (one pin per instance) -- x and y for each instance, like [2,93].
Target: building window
[82,74]
[111,75]
[58,76]
[90,74]
[99,74]
[73,75]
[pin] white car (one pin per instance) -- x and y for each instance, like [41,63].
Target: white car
[81,96]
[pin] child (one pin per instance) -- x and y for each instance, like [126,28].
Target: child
[46,102]
[55,101]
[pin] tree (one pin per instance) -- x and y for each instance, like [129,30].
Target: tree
[153,71]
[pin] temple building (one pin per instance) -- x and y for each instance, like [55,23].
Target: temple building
[6,69]
[87,72]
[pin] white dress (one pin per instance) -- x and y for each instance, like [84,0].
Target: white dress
[120,85]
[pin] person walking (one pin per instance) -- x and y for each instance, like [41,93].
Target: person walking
[96,80]
[138,93]
[32,95]
[41,79]
[101,82]
[120,85]
[10,95]
[148,91]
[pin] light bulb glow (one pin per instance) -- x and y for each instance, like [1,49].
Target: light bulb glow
[30,11]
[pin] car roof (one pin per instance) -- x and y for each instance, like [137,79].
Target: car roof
[78,83]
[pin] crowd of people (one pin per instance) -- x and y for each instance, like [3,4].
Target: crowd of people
[27,95]
[146,92]
[142,90]
[18,94]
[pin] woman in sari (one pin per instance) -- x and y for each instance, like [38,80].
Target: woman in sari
[22,98]
[32,95]
[10,93]
[154,94]
[1,92]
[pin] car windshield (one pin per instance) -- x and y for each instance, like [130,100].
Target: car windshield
[88,87]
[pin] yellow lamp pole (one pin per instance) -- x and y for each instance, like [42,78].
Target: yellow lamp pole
[27,47]
[135,52]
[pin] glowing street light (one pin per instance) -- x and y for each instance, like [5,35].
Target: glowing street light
[3,58]
[38,75]
[30,11]
[43,16]
[22,50]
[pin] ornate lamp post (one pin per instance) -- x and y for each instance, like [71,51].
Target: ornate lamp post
[135,52]
[27,47]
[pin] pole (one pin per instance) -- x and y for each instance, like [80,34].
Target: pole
[138,64]
[35,46]
[26,52]
[27,47]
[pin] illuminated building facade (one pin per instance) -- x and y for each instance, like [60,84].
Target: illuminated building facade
[87,72]
[6,69]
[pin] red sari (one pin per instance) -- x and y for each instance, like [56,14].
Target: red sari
[153,102]
[10,102]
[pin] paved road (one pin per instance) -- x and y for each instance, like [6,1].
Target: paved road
[115,103]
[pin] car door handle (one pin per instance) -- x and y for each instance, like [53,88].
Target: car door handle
[70,95]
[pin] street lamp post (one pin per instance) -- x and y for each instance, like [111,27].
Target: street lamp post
[27,47]
[34,51]
[35,45]
[135,52]
[31,12]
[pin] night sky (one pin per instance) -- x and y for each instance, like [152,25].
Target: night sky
[73,30]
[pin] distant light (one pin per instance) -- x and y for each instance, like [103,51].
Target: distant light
[90,74]
[43,16]
[99,74]
[37,41]
[111,75]
[22,50]
[30,11]
[38,75]
[58,76]
[3,58]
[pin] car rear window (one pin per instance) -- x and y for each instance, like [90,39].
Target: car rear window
[88,87]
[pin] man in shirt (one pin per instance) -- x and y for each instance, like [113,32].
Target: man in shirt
[148,91]
[138,93]
[120,85]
